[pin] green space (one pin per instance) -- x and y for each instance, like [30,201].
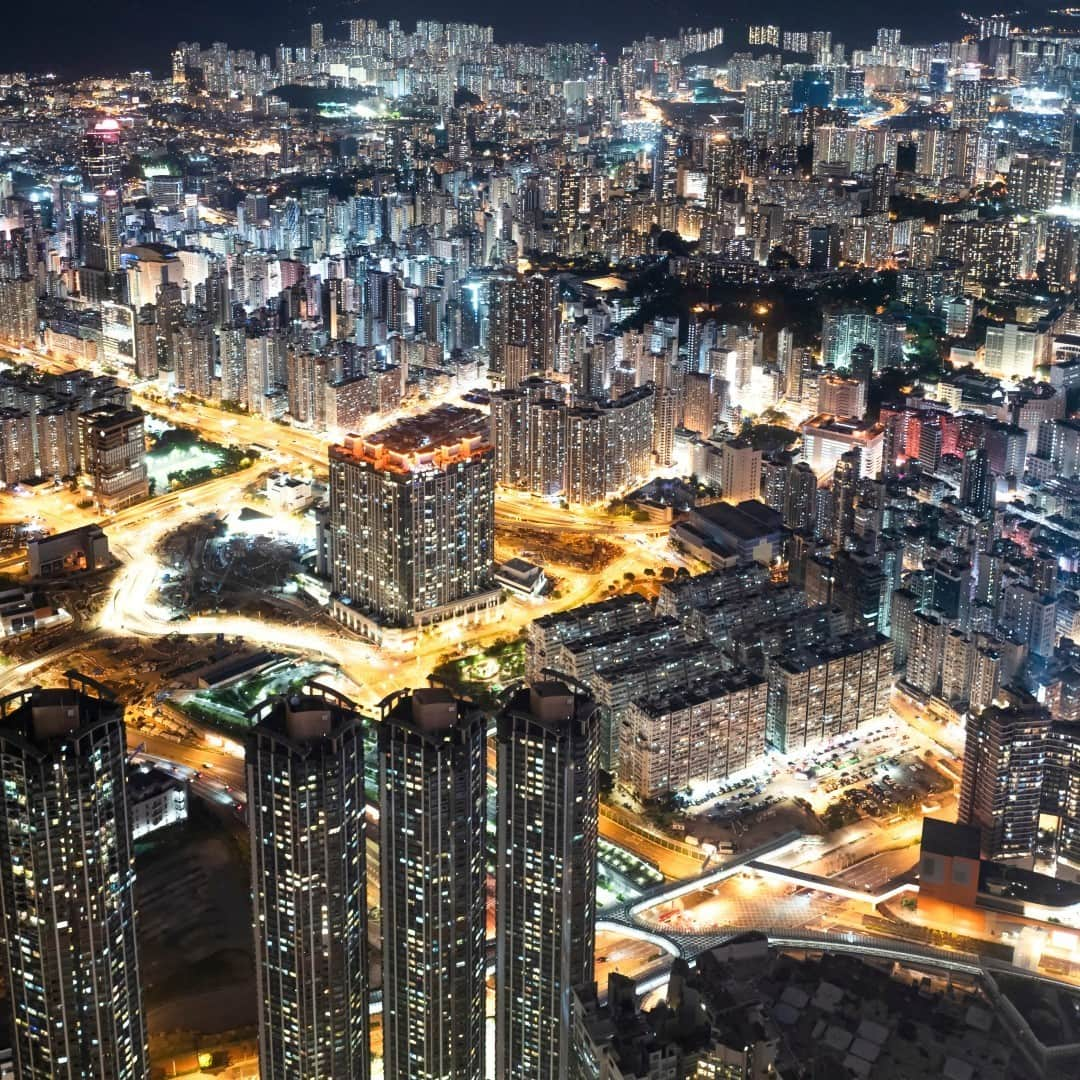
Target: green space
[483,676]
[767,437]
[180,458]
[227,707]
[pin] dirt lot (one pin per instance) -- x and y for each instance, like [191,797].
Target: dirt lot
[576,550]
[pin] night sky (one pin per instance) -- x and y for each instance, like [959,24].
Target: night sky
[75,37]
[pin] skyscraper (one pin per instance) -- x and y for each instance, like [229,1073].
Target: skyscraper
[545,867]
[1004,769]
[764,104]
[102,155]
[801,501]
[68,881]
[971,98]
[112,449]
[977,483]
[111,227]
[305,783]
[412,512]
[432,821]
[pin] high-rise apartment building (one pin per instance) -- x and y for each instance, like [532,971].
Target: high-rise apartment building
[764,35]
[305,785]
[740,471]
[18,311]
[17,460]
[925,652]
[432,837]
[1004,769]
[800,502]
[818,693]
[696,734]
[971,99]
[840,396]
[546,635]
[545,867]
[985,677]
[764,104]
[1036,181]
[67,875]
[412,514]
[704,391]
[587,454]
[523,314]
[843,331]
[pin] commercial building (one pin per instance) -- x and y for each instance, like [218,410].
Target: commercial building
[412,522]
[305,786]
[19,614]
[545,875]
[102,155]
[723,535]
[521,576]
[826,439]
[432,850]
[67,874]
[112,446]
[75,551]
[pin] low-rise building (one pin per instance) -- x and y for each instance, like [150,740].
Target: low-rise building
[521,576]
[75,551]
[288,494]
[156,799]
[725,536]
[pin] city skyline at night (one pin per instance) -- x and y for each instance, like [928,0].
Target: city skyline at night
[540,545]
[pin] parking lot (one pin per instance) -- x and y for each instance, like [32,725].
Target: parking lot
[878,772]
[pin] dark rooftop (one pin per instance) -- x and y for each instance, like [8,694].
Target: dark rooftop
[746,521]
[947,838]
[440,426]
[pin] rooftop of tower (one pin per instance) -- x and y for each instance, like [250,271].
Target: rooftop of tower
[435,438]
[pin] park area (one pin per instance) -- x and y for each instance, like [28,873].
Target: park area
[179,458]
